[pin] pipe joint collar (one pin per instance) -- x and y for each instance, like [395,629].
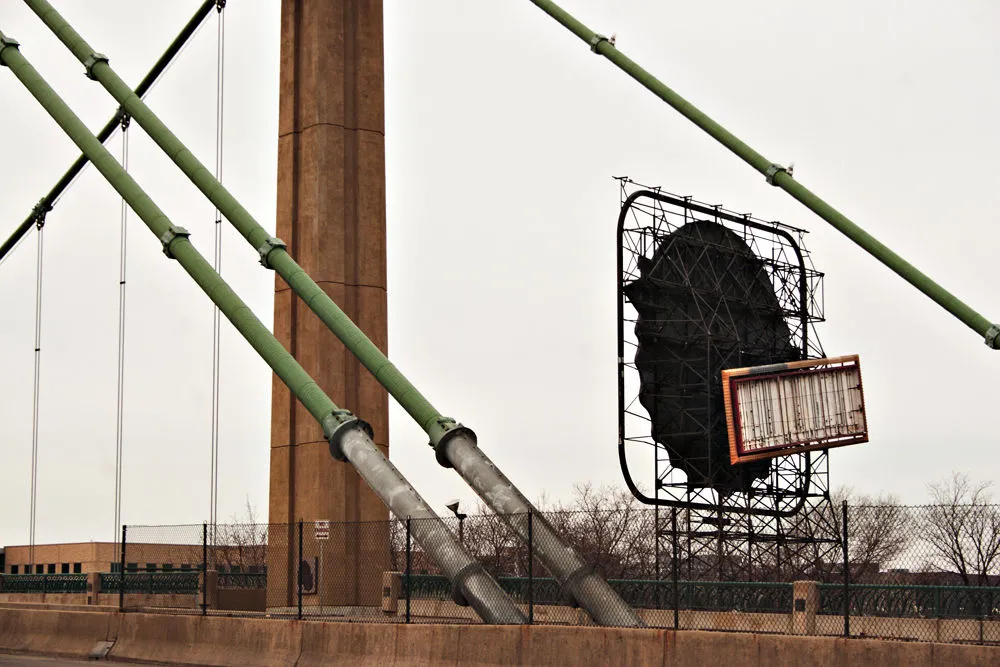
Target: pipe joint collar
[5,42]
[171,235]
[573,582]
[773,170]
[441,448]
[91,61]
[993,337]
[339,423]
[596,40]
[265,249]
[458,583]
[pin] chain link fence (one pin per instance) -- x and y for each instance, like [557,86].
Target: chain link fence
[929,573]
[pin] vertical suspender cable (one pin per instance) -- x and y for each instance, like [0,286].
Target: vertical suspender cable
[40,223]
[120,410]
[217,265]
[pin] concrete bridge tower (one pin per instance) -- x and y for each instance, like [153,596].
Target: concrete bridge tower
[331,213]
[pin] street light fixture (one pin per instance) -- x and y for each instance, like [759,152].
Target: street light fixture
[453,506]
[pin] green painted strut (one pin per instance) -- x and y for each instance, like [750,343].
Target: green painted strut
[455,445]
[349,438]
[778,175]
[272,250]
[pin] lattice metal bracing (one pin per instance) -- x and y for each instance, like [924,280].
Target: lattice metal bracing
[701,289]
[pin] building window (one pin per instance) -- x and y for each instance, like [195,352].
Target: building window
[13,569]
[39,568]
[64,569]
[116,567]
[167,567]
[77,568]
[150,567]
[132,567]
[52,568]
[185,567]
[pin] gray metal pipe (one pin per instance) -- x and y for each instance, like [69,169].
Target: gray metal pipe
[578,579]
[349,438]
[600,601]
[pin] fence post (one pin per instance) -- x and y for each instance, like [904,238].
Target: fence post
[204,568]
[121,574]
[677,597]
[847,574]
[300,571]
[531,568]
[409,564]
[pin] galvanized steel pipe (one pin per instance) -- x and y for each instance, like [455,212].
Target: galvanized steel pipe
[349,437]
[587,589]
[778,175]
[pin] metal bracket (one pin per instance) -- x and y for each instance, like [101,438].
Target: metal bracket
[336,425]
[596,40]
[772,171]
[92,60]
[170,235]
[39,211]
[4,43]
[265,249]
[993,337]
[124,118]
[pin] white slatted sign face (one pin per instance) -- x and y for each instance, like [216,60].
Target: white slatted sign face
[322,529]
[802,405]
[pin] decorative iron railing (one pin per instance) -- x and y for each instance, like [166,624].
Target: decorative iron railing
[903,601]
[151,582]
[43,583]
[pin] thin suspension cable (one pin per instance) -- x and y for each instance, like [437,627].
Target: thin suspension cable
[40,223]
[120,415]
[217,265]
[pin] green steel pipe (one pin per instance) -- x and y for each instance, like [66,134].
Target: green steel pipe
[272,250]
[349,437]
[777,175]
[454,444]
[48,201]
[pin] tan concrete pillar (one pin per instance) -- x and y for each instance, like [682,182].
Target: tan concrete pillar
[392,588]
[805,604]
[331,213]
[93,587]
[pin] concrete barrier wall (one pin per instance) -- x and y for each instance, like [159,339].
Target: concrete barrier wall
[198,640]
[68,633]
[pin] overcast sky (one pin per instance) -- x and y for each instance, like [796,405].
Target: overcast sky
[503,133]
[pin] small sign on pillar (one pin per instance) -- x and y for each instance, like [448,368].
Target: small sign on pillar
[322,529]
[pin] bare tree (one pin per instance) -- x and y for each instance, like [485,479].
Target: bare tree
[611,529]
[962,529]
[879,530]
[241,545]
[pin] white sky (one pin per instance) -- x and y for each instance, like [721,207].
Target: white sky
[502,134]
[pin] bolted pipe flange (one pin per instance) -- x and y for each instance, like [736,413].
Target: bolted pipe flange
[442,446]
[596,40]
[170,236]
[993,337]
[265,249]
[336,425]
[91,61]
